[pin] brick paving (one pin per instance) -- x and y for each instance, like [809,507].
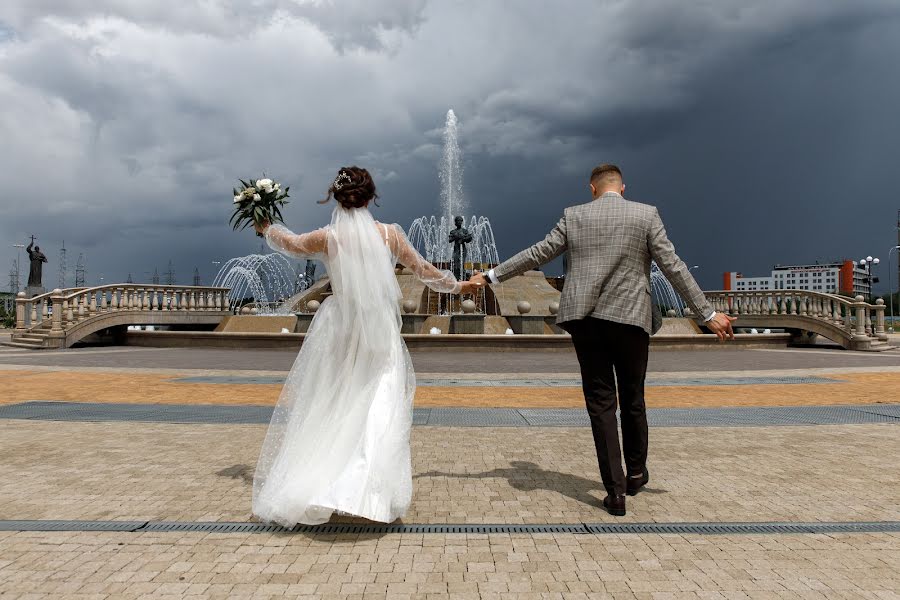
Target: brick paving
[168,472]
[171,472]
[196,565]
[22,385]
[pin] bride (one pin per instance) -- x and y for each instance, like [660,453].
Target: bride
[339,437]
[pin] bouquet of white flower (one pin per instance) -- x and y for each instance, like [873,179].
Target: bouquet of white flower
[258,202]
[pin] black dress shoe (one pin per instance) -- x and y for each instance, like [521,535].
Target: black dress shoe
[634,484]
[615,505]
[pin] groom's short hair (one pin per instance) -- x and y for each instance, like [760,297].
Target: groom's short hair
[606,173]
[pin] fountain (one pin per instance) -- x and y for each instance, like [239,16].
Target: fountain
[266,281]
[431,235]
[663,293]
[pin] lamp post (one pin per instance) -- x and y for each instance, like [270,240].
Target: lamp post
[891,286]
[694,267]
[867,263]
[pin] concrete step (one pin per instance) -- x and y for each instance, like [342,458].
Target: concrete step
[22,345]
[881,347]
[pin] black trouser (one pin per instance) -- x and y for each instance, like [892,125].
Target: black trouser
[611,353]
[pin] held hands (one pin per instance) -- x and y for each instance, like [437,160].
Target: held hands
[478,279]
[475,282]
[721,326]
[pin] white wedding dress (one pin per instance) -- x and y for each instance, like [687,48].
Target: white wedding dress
[339,436]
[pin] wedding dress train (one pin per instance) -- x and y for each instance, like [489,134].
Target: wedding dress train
[339,436]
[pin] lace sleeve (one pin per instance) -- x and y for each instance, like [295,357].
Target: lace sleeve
[305,245]
[438,280]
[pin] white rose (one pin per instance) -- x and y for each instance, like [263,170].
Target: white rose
[265,184]
[276,187]
[256,197]
[237,199]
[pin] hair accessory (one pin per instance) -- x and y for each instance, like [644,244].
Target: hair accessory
[340,179]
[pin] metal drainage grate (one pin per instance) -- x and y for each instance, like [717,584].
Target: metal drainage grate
[71,525]
[745,528]
[763,528]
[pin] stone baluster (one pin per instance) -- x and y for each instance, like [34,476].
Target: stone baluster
[93,305]
[154,304]
[220,295]
[860,306]
[34,313]
[880,332]
[201,300]
[104,307]
[183,305]
[56,323]
[70,311]
[20,311]
[82,300]
[192,305]
[783,308]
[45,309]
[836,311]
[65,312]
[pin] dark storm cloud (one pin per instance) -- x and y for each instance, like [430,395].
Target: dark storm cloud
[765,132]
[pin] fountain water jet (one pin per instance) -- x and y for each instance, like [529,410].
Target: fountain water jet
[268,280]
[430,235]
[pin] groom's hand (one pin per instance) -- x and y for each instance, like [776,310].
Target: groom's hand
[478,279]
[721,326]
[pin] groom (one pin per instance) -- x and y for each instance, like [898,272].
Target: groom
[606,306]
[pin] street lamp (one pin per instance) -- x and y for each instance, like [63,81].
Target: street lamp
[694,267]
[891,286]
[867,263]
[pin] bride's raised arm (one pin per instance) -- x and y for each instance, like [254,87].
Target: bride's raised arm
[437,279]
[303,245]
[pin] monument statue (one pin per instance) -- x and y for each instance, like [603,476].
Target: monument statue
[459,237]
[37,259]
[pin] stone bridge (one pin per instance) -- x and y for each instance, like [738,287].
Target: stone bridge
[850,322]
[61,318]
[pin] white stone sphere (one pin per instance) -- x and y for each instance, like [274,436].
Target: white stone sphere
[245,310]
[254,311]
[523,307]
[671,313]
[554,308]
[468,306]
[410,306]
[313,305]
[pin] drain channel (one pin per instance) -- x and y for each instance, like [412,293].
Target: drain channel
[760,528]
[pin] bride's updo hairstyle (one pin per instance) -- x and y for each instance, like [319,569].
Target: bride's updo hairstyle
[352,188]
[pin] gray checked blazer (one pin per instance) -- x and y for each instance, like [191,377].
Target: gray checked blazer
[611,242]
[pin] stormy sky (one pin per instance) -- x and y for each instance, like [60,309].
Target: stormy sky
[766,132]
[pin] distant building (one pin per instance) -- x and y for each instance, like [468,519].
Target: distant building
[843,277]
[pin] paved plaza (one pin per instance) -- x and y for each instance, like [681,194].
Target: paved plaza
[126,472]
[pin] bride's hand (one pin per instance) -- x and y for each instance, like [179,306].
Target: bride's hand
[261,227]
[468,287]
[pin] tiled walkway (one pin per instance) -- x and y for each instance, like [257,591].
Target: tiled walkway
[714,470]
